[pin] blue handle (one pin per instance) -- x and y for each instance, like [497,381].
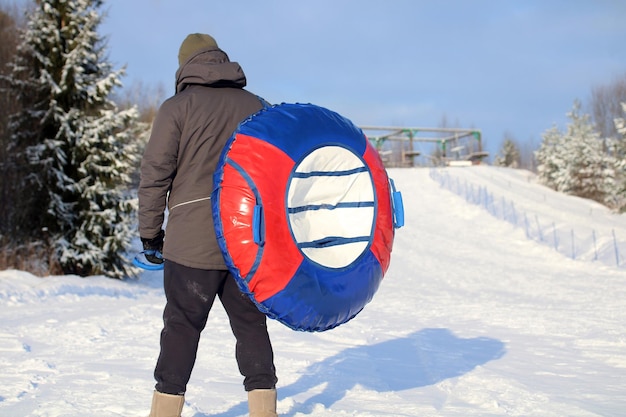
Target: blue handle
[141,261]
[258,231]
[397,205]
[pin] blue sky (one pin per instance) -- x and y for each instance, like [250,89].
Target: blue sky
[498,66]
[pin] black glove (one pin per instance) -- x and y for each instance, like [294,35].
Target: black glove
[153,248]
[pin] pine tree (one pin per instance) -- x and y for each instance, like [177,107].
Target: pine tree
[9,24]
[618,151]
[509,155]
[76,150]
[589,172]
[576,162]
[549,158]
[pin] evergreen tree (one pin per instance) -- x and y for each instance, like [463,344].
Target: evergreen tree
[9,24]
[74,147]
[549,157]
[618,151]
[576,162]
[589,172]
[509,155]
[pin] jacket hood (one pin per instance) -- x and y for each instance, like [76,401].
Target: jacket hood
[210,67]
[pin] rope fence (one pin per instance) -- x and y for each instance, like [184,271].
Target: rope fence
[565,239]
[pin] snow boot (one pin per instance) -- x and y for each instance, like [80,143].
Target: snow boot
[262,403]
[166,405]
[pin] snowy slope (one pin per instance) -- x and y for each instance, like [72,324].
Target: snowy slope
[575,227]
[472,319]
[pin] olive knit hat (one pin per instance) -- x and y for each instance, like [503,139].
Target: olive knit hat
[192,44]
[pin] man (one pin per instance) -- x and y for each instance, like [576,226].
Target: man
[188,135]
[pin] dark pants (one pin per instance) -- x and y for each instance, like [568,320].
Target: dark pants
[190,294]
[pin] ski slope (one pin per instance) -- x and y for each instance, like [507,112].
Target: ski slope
[473,318]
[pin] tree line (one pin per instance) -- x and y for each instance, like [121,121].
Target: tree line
[588,158]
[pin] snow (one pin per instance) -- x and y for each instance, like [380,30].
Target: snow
[472,319]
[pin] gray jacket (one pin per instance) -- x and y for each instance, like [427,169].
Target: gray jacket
[188,135]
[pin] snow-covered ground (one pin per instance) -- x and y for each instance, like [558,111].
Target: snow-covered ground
[472,319]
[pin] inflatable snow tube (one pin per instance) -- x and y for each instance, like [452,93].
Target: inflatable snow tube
[304,215]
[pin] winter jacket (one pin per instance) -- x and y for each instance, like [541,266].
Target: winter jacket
[187,138]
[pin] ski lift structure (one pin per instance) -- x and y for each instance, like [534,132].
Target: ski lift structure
[426,146]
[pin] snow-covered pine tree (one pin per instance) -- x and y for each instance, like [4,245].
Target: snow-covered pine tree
[589,172]
[576,162]
[618,151]
[509,155]
[549,157]
[78,148]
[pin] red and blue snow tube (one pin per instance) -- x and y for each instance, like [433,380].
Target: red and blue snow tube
[304,214]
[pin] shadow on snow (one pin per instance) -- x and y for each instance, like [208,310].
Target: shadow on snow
[419,359]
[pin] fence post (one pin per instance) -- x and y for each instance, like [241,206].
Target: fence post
[539,228]
[556,238]
[514,214]
[616,248]
[526,224]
